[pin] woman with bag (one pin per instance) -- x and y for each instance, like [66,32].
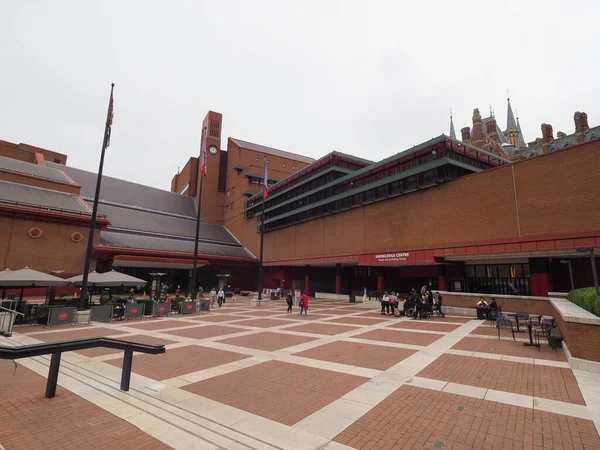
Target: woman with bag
[304,304]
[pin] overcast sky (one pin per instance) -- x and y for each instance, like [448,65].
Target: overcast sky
[366,78]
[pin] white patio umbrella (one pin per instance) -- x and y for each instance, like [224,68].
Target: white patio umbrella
[27,277]
[115,279]
[93,278]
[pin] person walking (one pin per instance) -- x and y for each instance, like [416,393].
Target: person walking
[364,294]
[304,304]
[290,301]
[213,295]
[221,297]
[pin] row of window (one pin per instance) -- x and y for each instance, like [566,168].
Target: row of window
[423,180]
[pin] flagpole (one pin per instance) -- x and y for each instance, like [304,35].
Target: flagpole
[262,231]
[195,265]
[88,255]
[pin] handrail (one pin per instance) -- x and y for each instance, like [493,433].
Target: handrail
[56,349]
[12,311]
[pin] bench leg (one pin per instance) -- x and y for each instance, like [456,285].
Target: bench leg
[126,373]
[53,375]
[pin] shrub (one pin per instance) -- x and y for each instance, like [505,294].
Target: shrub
[587,299]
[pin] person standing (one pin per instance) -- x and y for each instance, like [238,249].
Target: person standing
[304,304]
[364,294]
[213,294]
[290,301]
[221,297]
[277,292]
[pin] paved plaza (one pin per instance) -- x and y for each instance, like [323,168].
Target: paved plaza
[342,377]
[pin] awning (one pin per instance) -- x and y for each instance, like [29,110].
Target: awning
[155,262]
[108,279]
[29,278]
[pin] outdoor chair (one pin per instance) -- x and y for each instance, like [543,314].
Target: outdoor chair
[555,338]
[505,324]
[543,331]
[522,320]
[494,315]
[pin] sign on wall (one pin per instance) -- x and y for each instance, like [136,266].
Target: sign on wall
[391,257]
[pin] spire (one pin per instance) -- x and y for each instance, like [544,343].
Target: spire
[452,132]
[521,138]
[510,118]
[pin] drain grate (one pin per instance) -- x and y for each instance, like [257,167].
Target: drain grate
[439,444]
[460,408]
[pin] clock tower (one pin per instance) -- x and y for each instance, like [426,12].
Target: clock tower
[213,189]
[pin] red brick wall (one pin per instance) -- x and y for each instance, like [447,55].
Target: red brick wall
[53,251]
[477,207]
[582,339]
[507,303]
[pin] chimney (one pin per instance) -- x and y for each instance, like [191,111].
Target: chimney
[560,134]
[578,127]
[492,129]
[466,134]
[584,123]
[477,129]
[547,137]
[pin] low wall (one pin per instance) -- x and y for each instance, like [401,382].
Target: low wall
[508,303]
[580,329]
[328,296]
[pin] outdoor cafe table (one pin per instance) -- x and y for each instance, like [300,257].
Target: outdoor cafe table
[518,330]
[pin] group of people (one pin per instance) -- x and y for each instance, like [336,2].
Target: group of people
[486,307]
[415,305]
[219,295]
[303,303]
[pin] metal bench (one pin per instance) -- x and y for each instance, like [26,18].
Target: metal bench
[57,348]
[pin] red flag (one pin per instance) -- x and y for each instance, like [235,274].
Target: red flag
[265,183]
[203,157]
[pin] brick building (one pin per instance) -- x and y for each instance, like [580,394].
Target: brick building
[463,217]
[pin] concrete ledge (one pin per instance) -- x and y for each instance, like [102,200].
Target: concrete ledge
[580,364]
[328,296]
[457,311]
[572,313]
[558,294]
[496,296]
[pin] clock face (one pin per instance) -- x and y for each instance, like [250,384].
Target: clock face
[212,149]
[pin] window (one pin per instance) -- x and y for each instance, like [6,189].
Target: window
[233,190]
[228,192]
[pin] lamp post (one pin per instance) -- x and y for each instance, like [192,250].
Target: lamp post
[590,251]
[566,261]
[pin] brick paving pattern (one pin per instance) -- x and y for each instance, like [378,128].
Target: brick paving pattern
[78,333]
[264,323]
[208,331]
[141,338]
[179,361]
[361,355]
[425,326]
[321,328]
[217,317]
[267,341]
[284,392]
[415,418]
[155,324]
[32,421]
[356,321]
[472,344]
[555,383]
[400,337]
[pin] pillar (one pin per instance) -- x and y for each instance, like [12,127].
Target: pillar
[338,279]
[307,282]
[442,279]
[540,279]
[380,283]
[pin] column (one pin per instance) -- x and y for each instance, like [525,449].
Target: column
[540,280]
[307,282]
[442,279]
[380,283]
[338,279]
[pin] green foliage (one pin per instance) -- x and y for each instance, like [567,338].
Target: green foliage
[587,299]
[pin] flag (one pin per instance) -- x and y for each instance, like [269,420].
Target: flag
[109,120]
[203,157]
[265,183]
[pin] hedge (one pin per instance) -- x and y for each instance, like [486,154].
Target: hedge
[587,299]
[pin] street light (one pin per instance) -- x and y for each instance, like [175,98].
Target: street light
[590,251]
[566,261]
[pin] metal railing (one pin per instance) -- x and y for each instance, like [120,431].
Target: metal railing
[7,320]
[57,348]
